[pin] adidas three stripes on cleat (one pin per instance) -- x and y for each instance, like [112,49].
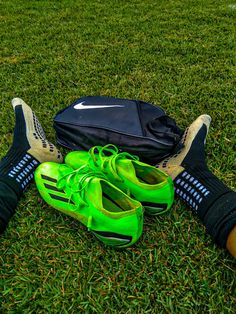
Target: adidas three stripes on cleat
[86,195]
[147,184]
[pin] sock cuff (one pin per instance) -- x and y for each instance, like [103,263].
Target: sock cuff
[3,226]
[8,203]
[221,218]
[209,198]
[12,184]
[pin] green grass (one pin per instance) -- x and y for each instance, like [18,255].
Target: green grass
[180,55]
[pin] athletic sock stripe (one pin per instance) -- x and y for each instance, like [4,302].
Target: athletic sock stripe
[48,178]
[60,198]
[157,205]
[53,188]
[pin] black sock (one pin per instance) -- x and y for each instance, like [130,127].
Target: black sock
[17,167]
[8,203]
[29,148]
[212,201]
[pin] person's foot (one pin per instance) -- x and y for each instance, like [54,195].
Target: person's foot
[211,200]
[193,152]
[30,135]
[29,148]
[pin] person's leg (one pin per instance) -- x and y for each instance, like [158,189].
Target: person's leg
[212,201]
[8,203]
[29,148]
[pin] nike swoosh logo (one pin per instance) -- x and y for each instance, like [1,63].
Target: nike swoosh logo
[81,106]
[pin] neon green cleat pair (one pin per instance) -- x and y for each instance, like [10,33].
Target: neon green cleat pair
[106,191]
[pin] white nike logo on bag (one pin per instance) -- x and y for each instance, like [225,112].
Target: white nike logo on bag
[81,106]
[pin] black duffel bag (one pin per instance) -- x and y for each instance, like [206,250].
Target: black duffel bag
[133,126]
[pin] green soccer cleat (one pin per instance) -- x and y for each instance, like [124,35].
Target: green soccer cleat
[111,215]
[147,184]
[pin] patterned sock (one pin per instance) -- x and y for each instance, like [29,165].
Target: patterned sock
[204,193]
[29,148]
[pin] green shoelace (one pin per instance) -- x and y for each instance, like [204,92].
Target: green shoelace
[105,159]
[77,180]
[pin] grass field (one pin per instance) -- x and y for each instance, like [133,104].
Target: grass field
[180,55]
